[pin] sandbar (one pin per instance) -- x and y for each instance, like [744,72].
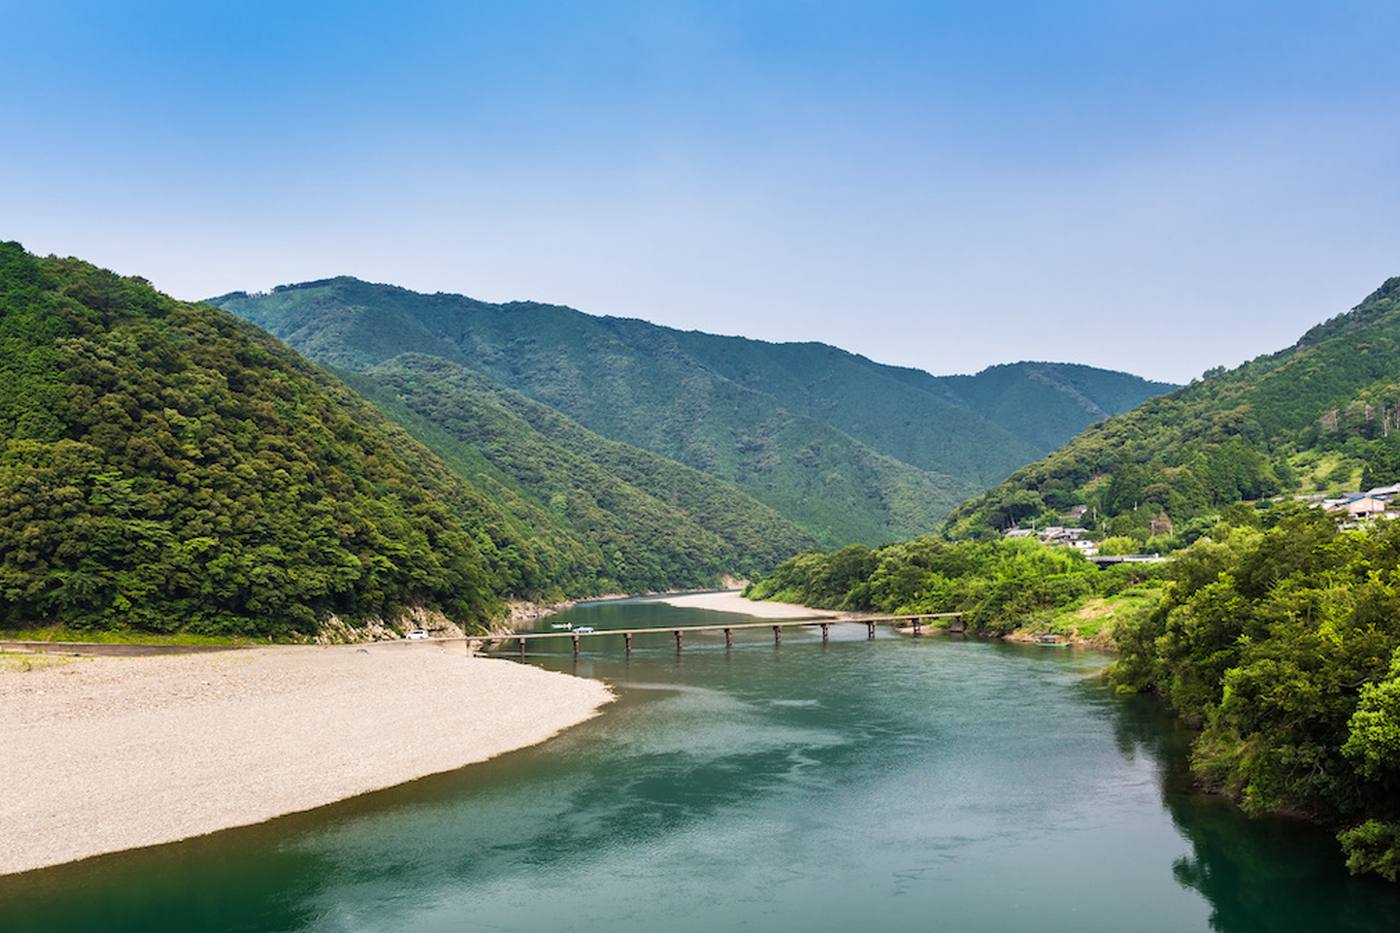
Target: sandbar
[105,754]
[733,601]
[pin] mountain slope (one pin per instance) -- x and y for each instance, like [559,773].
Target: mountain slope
[638,514]
[1320,415]
[1046,404]
[631,386]
[977,427]
[848,448]
[922,425]
[166,466]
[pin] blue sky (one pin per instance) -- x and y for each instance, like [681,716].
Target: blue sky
[1157,187]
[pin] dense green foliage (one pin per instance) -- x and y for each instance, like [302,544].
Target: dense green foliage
[165,466]
[999,586]
[1281,639]
[848,449]
[632,520]
[1046,404]
[1319,416]
[977,428]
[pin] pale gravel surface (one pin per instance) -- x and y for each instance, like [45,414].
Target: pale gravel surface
[106,754]
[732,601]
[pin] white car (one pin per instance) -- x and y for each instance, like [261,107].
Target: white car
[583,630]
[417,634]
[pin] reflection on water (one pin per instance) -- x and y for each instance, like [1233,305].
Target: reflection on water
[887,785]
[1254,873]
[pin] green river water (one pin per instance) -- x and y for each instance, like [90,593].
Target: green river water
[899,784]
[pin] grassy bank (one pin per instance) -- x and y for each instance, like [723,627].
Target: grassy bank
[63,633]
[19,662]
[1092,620]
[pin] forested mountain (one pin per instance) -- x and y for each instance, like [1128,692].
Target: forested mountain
[1045,404]
[166,466]
[642,517]
[978,428]
[849,449]
[1322,415]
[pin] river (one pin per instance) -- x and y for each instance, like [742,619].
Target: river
[900,784]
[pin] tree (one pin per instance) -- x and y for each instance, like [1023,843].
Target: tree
[1373,739]
[1119,544]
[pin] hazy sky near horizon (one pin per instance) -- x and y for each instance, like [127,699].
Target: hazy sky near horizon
[1156,187]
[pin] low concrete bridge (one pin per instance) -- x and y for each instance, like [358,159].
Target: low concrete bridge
[916,622]
[1103,560]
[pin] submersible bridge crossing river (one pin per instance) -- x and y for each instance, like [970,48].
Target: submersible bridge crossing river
[916,622]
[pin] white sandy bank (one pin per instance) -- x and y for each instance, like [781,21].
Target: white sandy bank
[105,754]
[732,601]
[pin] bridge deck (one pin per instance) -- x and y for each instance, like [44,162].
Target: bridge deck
[718,627]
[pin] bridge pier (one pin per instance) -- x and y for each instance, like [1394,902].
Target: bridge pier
[915,623]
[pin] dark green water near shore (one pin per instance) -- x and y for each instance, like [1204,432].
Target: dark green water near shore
[900,784]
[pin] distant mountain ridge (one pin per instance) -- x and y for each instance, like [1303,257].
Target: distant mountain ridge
[1321,415]
[849,449]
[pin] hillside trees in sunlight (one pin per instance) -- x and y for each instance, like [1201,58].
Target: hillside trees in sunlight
[1312,418]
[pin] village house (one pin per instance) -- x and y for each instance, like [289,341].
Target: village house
[1366,506]
[1056,534]
[1379,502]
[1059,536]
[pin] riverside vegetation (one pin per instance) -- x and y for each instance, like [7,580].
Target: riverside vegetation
[1281,640]
[166,467]
[1001,587]
[1276,634]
